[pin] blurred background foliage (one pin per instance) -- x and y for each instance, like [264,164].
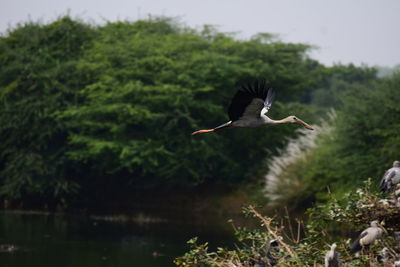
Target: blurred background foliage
[85,107]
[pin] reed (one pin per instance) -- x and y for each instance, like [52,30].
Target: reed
[283,179]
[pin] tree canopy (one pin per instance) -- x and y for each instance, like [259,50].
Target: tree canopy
[82,105]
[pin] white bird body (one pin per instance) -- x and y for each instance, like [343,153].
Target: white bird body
[248,108]
[371,234]
[249,122]
[390,178]
[367,237]
[332,257]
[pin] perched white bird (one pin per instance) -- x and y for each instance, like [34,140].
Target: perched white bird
[390,178]
[249,107]
[367,237]
[383,255]
[332,257]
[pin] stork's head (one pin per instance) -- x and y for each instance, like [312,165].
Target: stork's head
[396,163]
[379,225]
[333,246]
[294,119]
[375,224]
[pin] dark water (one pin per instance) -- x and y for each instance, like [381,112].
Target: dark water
[61,241]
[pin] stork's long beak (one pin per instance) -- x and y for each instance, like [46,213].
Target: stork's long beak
[382,226]
[308,126]
[383,229]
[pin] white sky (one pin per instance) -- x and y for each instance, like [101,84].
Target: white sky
[346,31]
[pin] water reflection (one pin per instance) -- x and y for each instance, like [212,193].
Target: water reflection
[61,241]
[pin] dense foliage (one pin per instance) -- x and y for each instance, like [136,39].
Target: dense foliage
[87,108]
[84,105]
[335,221]
[364,141]
[38,77]
[361,140]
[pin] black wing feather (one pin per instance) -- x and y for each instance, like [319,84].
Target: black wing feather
[386,181]
[356,245]
[244,96]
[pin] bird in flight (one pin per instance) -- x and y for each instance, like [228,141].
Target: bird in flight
[249,107]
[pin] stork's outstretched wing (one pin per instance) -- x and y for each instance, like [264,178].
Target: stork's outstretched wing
[250,99]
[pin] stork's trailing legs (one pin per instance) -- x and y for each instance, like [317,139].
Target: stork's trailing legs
[203,131]
[223,126]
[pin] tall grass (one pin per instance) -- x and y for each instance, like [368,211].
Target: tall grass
[283,180]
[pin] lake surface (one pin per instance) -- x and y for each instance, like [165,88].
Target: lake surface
[75,241]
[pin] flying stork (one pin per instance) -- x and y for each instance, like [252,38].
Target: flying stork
[249,107]
[390,178]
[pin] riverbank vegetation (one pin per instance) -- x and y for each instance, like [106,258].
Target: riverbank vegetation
[282,243]
[95,113]
[359,140]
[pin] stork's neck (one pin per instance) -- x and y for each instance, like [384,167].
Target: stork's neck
[284,120]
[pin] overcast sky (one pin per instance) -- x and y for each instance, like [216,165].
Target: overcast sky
[346,31]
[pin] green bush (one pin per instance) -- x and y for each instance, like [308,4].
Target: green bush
[306,243]
[363,143]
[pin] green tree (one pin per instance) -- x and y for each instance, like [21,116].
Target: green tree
[82,106]
[365,140]
[38,77]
